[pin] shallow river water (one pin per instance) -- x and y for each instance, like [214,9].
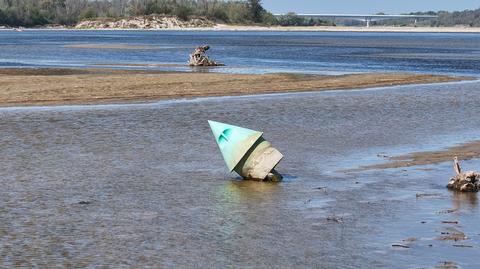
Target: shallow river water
[144,185]
[246,52]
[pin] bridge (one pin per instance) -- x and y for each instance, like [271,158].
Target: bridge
[362,17]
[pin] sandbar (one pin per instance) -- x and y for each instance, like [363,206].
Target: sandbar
[465,151]
[63,86]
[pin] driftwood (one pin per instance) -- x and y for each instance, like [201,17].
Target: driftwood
[200,58]
[400,246]
[464,181]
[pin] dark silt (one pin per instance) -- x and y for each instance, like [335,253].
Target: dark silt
[144,185]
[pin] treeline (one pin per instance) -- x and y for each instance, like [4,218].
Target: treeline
[69,12]
[469,18]
[292,19]
[465,18]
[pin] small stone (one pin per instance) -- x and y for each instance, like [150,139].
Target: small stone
[274,176]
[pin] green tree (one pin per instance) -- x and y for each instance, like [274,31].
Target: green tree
[182,11]
[256,10]
[2,17]
[237,12]
[89,13]
[269,19]
[35,17]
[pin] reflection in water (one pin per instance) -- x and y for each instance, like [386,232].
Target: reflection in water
[236,196]
[241,207]
[465,200]
[204,69]
[251,190]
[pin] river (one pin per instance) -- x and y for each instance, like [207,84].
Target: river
[247,52]
[144,185]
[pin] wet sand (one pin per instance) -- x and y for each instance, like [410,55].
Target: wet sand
[464,151]
[57,86]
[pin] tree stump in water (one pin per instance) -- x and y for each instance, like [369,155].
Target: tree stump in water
[464,181]
[200,58]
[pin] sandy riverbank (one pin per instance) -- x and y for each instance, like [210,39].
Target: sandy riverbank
[405,29]
[23,87]
[225,27]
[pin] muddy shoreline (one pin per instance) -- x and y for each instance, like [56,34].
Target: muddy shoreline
[63,86]
[465,151]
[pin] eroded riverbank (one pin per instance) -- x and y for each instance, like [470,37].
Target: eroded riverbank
[58,86]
